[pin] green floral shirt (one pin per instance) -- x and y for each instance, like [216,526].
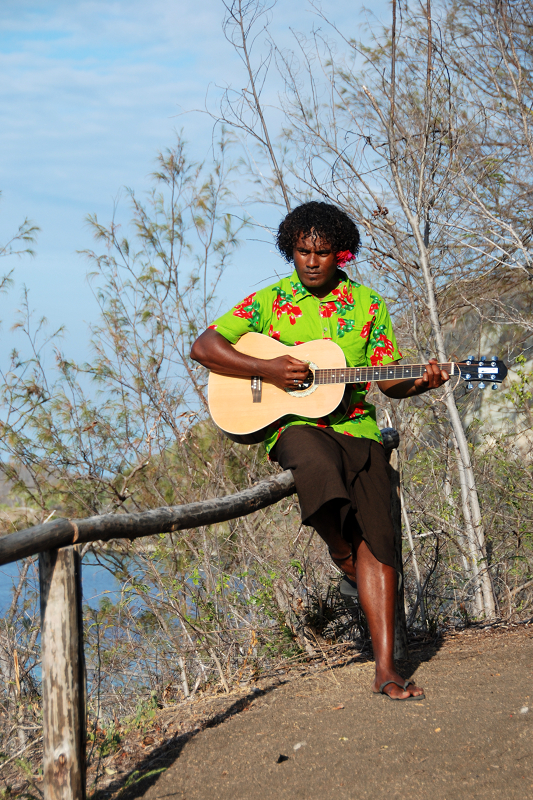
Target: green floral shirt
[352,315]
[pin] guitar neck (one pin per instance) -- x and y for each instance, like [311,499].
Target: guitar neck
[389,372]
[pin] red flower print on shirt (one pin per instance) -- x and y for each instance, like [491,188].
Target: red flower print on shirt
[294,312]
[344,326]
[344,298]
[212,327]
[248,309]
[282,305]
[380,345]
[280,431]
[297,288]
[375,304]
[356,410]
[365,333]
[384,347]
[273,334]
[327,309]
[246,303]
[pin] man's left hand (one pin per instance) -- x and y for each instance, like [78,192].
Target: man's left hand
[432,378]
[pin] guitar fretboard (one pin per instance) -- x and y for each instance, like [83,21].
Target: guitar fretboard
[387,373]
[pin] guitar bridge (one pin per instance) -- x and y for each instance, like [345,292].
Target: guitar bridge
[257,388]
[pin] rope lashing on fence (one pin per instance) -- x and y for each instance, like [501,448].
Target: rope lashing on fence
[64,532]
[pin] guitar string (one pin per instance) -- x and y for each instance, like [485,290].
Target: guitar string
[364,374]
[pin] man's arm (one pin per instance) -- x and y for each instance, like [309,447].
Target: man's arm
[217,354]
[432,378]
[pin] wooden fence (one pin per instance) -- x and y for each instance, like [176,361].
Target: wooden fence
[63,668]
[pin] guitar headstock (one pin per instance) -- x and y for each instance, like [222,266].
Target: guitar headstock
[486,369]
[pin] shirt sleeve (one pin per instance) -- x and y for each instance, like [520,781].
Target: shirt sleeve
[382,344]
[243,318]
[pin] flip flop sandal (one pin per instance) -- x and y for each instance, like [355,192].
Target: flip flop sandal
[402,686]
[348,588]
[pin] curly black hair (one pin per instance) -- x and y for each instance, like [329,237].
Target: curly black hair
[320,219]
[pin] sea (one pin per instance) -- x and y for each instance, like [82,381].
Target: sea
[97,583]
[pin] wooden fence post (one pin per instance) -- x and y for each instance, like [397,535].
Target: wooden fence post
[63,675]
[400,626]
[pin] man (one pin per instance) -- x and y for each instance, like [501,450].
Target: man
[339,465]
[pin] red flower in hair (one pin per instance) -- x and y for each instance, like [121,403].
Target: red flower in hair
[343,256]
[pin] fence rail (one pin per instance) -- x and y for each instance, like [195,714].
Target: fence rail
[64,532]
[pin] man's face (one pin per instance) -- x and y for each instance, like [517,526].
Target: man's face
[316,265]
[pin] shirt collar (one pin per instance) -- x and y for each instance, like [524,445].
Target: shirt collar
[299,291]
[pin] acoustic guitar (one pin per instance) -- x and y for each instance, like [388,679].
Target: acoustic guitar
[244,407]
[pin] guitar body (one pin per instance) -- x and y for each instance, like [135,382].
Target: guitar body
[243,411]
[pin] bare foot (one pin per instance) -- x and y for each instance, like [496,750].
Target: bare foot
[391,689]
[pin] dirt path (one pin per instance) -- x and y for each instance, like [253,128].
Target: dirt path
[471,737]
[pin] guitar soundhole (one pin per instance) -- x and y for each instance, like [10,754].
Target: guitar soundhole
[304,385]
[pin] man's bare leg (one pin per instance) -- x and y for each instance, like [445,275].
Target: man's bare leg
[377,586]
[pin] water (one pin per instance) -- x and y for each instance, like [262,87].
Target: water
[97,583]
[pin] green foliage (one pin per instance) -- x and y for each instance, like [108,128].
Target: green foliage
[107,740]
[519,392]
[144,713]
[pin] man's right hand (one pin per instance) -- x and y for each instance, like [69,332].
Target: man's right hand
[285,372]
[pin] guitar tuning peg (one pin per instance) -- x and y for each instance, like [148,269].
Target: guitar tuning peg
[494,386]
[469,386]
[493,358]
[483,358]
[481,385]
[470,358]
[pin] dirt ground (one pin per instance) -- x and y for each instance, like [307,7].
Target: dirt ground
[324,735]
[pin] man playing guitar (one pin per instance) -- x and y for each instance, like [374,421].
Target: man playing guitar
[338,463]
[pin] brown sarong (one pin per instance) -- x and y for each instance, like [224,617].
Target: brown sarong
[330,466]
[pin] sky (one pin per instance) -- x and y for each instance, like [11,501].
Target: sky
[91,90]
